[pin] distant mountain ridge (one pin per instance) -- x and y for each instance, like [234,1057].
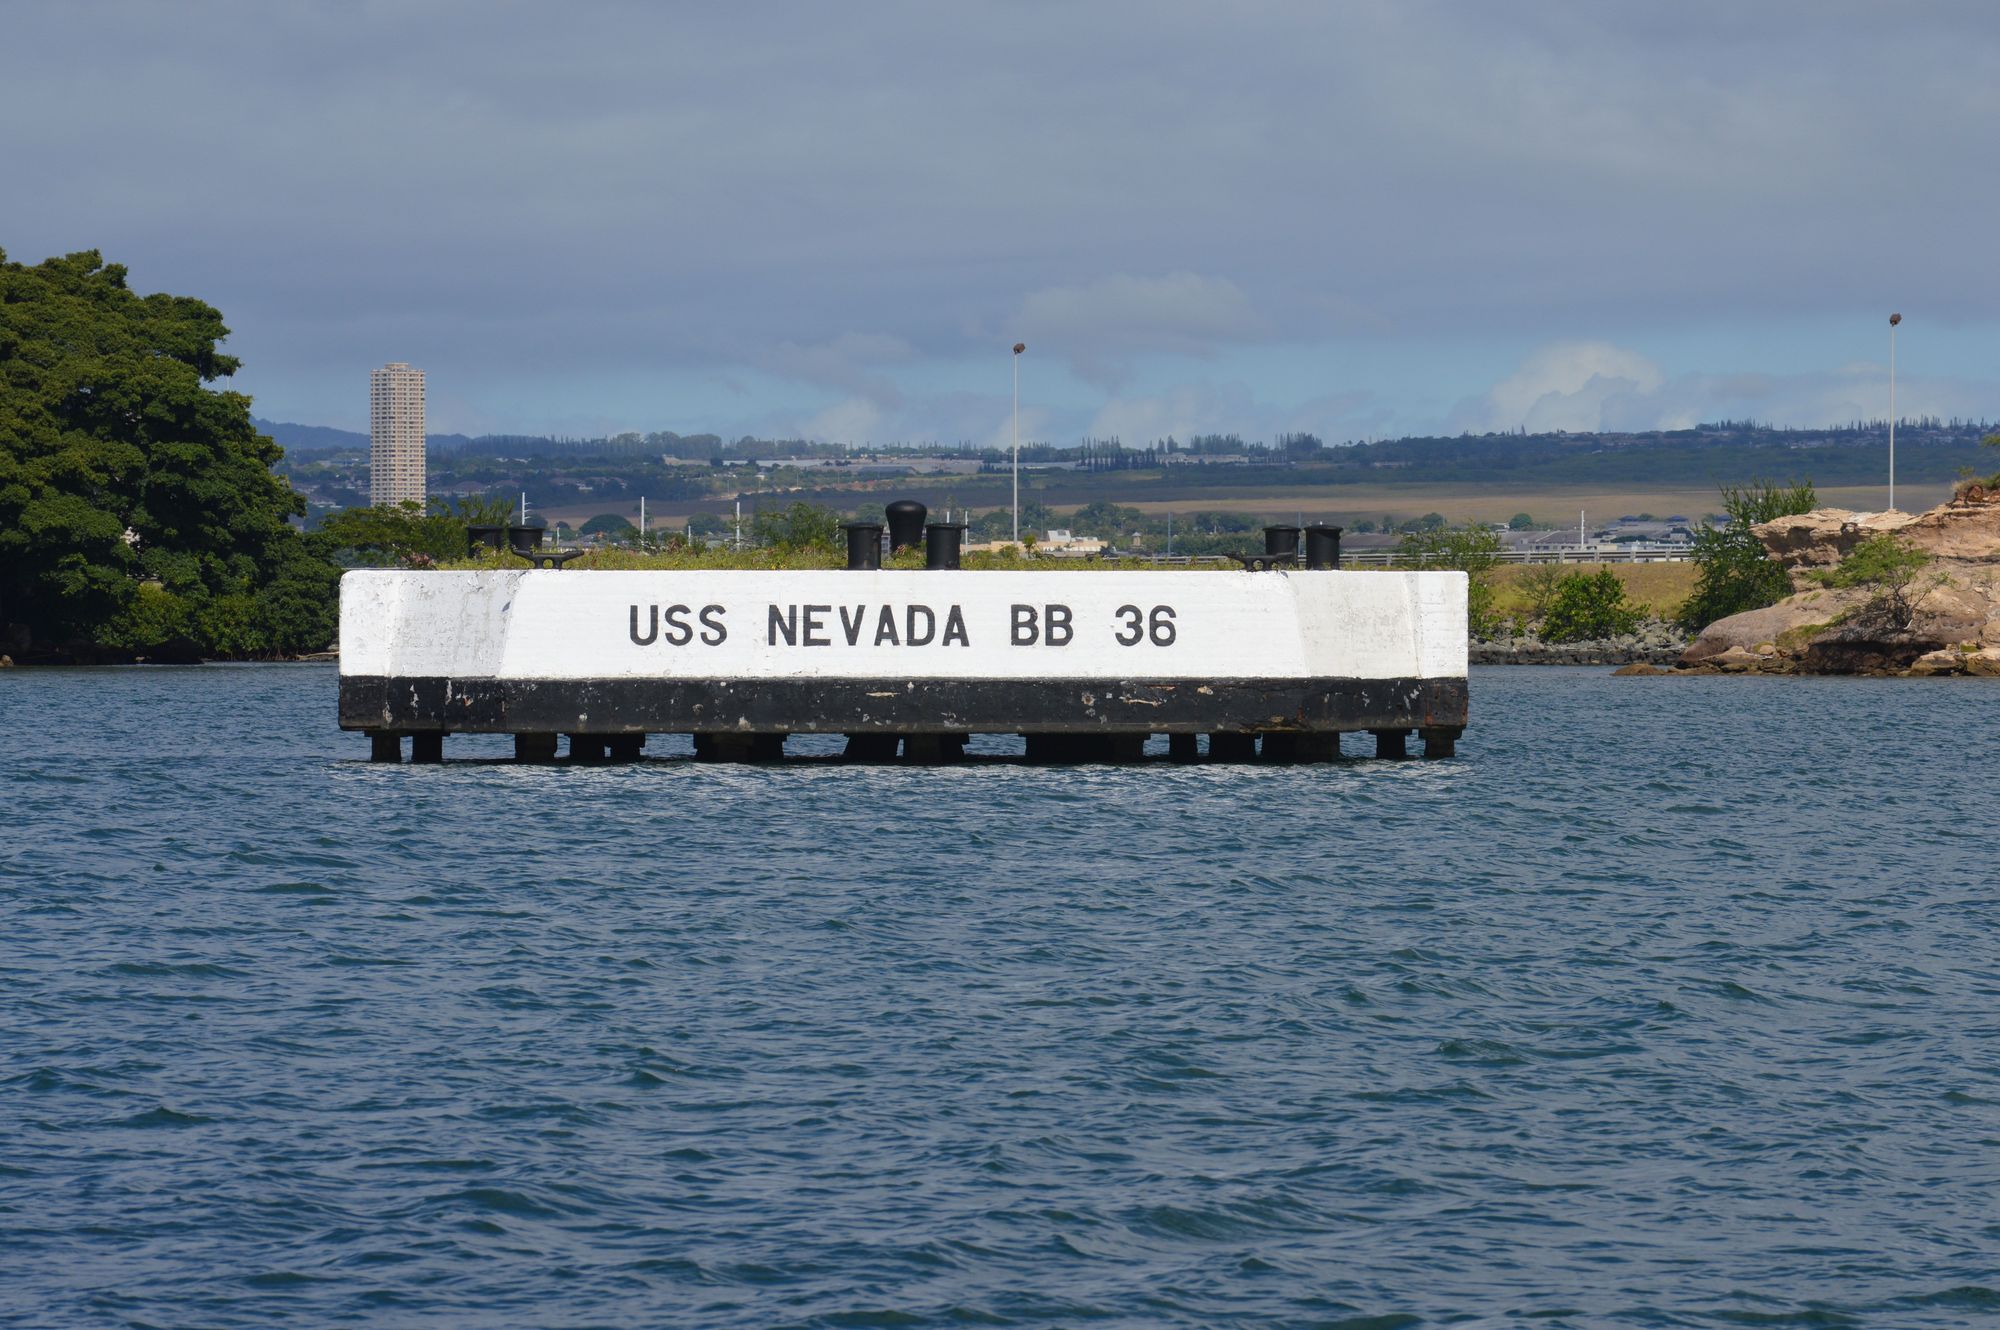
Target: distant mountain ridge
[296,438]
[1731,452]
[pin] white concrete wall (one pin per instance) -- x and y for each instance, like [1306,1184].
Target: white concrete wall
[551,624]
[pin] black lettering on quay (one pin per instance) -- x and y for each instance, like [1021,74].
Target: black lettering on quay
[1159,626]
[1050,625]
[808,626]
[679,631]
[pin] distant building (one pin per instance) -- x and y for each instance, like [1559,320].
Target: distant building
[395,434]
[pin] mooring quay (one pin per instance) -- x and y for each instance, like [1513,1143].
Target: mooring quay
[1271,663]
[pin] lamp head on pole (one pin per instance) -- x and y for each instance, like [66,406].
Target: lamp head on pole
[1019,347]
[1895,319]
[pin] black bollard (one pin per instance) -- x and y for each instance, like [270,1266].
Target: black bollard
[1323,547]
[525,537]
[1281,540]
[906,523]
[493,537]
[941,544]
[864,545]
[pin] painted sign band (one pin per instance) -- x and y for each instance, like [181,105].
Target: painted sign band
[903,625]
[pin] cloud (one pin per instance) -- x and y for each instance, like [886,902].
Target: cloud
[849,361]
[853,420]
[585,209]
[1583,386]
[1098,326]
[1567,386]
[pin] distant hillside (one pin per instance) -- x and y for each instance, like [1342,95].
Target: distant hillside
[330,465]
[297,439]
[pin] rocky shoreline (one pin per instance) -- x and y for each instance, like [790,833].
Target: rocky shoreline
[1654,644]
[1819,629]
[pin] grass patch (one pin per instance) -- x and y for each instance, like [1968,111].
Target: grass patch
[774,559]
[1657,588]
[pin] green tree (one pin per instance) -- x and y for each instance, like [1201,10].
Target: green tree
[1521,522]
[1735,574]
[401,534]
[1894,571]
[1587,606]
[1538,585]
[475,509]
[135,500]
[1105,519]
[607,524]
[1473,550]
[800,526]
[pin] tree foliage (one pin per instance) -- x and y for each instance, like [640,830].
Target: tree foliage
[1894,572]
[798,526]
[1735,574]
[1587,607]
[137,505]
[395,535]
[608,524]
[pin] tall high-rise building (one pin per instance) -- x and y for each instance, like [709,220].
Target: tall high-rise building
[395,434]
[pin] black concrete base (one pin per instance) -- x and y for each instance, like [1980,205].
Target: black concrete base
[593,710]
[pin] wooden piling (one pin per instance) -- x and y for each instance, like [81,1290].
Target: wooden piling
[1232,747]
[1391,743]
[735,746]
[1278,746]
[534,748]
[871,747]
[1318,748]
[1441,741]
[934,748]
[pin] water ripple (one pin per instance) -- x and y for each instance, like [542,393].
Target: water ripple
[1657,1008]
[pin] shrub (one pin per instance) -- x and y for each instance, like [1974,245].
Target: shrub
[1588,606]
[801,526]
[1735,573]
[1894,572]
[1538,585]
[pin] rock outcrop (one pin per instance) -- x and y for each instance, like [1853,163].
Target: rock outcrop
[1955,532]
[1822,630]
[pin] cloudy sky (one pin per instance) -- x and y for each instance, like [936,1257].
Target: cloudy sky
[1351,218]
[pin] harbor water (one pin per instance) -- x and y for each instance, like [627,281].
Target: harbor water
[1670,1002]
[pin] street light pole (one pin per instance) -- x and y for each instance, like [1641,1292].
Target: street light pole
[1894,319]
[1019,347]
